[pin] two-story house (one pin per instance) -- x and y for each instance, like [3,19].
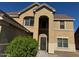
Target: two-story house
[54,32]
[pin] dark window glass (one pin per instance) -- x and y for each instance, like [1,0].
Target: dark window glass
[44,24]
[62,42]
[59,42]
[43,43]
[31,22]
[65,42]
[28,21]
[62,25]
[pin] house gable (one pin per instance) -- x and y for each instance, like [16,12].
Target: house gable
[46,7]
[34,5]
[25,13]
[11,21]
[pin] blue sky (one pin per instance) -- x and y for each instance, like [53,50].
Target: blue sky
[69,8]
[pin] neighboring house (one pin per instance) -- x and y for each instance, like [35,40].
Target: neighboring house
[54,32]
[9,28]
[77,39]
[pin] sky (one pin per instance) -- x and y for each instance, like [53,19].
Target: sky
[68,8]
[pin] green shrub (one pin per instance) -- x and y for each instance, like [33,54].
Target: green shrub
[22,46]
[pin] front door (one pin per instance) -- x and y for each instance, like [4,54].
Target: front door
[43,43]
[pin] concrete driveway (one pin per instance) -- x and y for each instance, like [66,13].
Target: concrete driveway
[58,54]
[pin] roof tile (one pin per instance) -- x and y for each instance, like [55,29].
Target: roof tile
[62,16]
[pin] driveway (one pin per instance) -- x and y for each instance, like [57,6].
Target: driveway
[58,54]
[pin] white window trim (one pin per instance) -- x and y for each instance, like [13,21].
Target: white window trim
[64,19]
[57,41]
[63,29]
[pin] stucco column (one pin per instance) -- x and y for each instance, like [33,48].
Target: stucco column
[35,34]
[51,35]
[72,43]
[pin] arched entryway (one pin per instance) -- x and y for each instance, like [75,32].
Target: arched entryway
[43,32]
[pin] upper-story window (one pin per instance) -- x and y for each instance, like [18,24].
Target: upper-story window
[28,21]
[62,24]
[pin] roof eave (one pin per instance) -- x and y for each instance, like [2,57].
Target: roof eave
[28,7]
[47,6]
[64,19]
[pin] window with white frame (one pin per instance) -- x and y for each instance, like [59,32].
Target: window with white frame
[62,42]
[28,21]
[62,24]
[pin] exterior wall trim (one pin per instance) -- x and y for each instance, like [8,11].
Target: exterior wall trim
[63,30]
[64,19]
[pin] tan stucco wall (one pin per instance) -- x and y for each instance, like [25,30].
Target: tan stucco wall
[68,32]
[54,29]
[21,18]
[65,34]
[47,13]
[68,25]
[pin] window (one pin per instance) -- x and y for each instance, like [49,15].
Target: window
[28,21]
[59,42]
[62,42]
[65,42]
[62,25]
